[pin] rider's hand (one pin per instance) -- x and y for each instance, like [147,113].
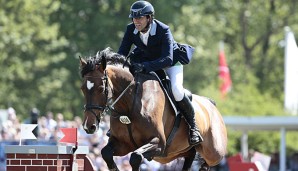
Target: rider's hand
[137,68]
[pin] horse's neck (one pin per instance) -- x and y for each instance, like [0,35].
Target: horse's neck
[119,76]
[120,79]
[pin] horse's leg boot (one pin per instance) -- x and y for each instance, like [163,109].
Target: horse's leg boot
[189,115]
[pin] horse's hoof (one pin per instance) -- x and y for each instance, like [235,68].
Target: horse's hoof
[204,167]
[135,159]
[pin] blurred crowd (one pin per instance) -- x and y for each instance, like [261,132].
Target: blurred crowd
[48,133]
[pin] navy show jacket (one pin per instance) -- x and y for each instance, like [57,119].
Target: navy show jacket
[158,53]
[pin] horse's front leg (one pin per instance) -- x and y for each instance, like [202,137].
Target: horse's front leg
[147,151]
[107,154]
[189,159]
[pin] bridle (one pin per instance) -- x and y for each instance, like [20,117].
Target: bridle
[91,106]
[108,105]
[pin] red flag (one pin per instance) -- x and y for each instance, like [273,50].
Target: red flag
[224,73]
[70,135]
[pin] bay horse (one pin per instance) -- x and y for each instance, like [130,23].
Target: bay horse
[142,118]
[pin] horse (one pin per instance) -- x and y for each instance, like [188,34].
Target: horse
[142,117]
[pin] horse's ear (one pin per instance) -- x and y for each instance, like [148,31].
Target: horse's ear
[103,63]
[82,62]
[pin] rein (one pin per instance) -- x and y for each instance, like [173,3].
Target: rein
[118,98]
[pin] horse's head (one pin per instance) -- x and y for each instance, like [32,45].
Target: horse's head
[97,86]
[94,88]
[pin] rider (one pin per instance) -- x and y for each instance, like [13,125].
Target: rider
[154,49]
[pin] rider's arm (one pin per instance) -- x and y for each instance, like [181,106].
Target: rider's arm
[127,41]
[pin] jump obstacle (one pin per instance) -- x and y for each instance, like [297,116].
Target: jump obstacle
[47,158]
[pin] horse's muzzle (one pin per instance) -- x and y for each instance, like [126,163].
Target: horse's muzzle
[91,130]
[90,127]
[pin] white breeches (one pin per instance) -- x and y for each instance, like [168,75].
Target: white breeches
[175,74]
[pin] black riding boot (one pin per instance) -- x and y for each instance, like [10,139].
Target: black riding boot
[189,115]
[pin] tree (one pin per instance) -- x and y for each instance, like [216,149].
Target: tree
[30,51]
[41,41]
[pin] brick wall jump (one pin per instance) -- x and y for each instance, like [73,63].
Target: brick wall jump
[46,158]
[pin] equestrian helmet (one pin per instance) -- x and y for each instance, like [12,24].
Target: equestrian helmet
[140,9]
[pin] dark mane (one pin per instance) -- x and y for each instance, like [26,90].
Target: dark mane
[111,57]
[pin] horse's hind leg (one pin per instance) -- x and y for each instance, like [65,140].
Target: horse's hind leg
[189,159]
[205,167]
[146,151]
[107,155]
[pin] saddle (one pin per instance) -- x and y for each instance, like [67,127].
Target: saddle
[165,84]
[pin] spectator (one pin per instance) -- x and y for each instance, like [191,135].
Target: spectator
[60,120]
[51,123]
[12,117]
[45,133]
[5,135]
[33,119]
[11,128]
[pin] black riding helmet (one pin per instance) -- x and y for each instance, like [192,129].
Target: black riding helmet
[140,9]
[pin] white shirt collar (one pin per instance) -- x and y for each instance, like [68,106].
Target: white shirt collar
[144,36]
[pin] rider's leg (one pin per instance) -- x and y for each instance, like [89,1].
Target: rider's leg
[189,115]
[175,74]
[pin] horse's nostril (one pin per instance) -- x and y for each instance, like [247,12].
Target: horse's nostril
[93,128]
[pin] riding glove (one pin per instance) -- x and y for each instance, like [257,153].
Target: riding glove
[137,68]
